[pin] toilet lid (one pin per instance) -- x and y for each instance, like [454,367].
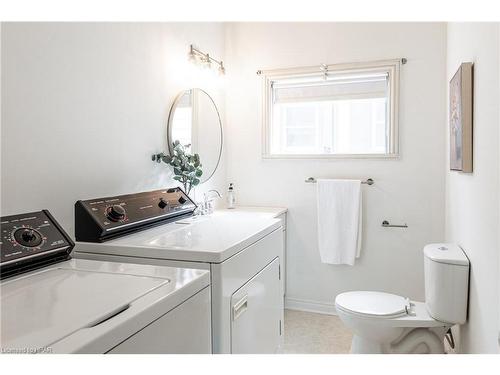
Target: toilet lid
[376,304]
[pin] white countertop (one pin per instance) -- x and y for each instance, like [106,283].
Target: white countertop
[210,239]
[273,212]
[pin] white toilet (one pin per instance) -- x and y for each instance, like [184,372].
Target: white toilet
[388,323]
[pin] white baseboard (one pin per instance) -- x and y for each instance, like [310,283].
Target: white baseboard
[310,306]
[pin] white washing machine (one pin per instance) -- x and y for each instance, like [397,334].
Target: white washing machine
[243,253]
[51,303]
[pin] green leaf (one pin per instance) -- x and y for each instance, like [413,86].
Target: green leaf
[186,166]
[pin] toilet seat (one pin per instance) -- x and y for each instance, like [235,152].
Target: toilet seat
[371,304]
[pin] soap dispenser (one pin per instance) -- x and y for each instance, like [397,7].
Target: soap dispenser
[230,196]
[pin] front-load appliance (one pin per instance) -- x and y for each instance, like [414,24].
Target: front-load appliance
[51,303]
[243,253]
[388,323]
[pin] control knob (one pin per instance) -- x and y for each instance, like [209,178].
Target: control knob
[116,213]
[162,203]
[28,237]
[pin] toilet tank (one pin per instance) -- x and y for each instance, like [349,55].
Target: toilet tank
[446,269]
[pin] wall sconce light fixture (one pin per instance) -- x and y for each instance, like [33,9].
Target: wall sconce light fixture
[198,57]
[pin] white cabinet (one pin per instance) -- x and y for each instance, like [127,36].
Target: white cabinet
[183,330]
[256,313]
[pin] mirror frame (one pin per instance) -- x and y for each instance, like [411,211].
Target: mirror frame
[170,120]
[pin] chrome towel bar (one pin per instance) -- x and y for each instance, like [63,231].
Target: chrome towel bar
[312,180]
[386,224]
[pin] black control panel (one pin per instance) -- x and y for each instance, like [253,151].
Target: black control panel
[101,219]
[31,240]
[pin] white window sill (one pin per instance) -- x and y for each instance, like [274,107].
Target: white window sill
[333,156]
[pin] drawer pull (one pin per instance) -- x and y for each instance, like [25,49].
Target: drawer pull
[240,307]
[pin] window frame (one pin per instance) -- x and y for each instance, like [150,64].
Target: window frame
[391,67]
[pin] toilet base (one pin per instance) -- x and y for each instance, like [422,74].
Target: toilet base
[412,341]
[360,345]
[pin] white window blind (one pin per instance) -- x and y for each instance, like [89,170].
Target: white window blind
[318,89]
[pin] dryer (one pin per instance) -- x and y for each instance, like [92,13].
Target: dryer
[243,253]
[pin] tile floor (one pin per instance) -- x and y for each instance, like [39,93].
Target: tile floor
[312,333]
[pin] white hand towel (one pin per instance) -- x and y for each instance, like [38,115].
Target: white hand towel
[339,220]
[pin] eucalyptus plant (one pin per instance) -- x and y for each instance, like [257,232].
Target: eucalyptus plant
[186,166]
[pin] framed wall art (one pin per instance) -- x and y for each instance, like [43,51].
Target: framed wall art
[461,101]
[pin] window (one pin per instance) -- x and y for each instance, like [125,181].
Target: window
[335,110]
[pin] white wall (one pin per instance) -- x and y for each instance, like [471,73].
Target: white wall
[408,190]
[84,106]
[472,200]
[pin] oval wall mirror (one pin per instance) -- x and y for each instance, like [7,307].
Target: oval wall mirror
[195,122]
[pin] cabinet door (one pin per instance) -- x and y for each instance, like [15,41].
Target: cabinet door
[183,330]
[256,311]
